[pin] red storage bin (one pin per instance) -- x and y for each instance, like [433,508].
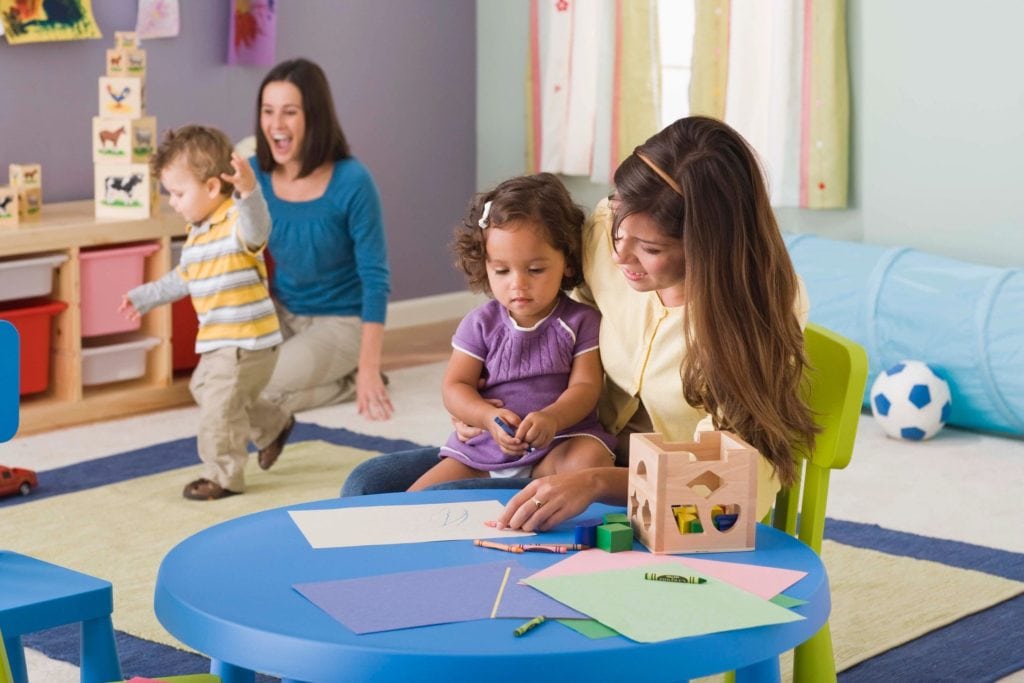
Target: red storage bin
[106,276]
[33,319]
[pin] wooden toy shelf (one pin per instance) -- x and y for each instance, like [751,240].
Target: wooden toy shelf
[67,228]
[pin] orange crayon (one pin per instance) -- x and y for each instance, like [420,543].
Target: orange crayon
[498,546]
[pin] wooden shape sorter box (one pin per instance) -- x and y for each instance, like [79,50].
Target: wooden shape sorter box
[125,191]
[127,141]
[717,474]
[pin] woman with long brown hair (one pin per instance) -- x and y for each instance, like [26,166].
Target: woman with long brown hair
[701,320]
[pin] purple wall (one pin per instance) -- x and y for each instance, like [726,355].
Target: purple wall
[403,77]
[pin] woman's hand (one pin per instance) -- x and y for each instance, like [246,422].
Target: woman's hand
[463,432]
[372,397]
[243,178]
[549,501]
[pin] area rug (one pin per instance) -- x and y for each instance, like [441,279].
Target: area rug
[116,517]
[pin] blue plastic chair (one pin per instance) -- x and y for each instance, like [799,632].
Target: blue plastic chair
[37,595]
[10,380]
[7,677]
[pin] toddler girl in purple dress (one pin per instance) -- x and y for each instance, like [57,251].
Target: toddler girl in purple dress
[529,357]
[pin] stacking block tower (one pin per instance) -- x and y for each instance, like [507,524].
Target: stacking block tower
[693,497]
[123,137]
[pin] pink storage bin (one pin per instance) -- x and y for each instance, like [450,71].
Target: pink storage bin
[106,275]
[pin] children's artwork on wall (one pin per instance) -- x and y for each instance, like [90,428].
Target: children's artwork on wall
[157,19]
[252,35]
[36,21]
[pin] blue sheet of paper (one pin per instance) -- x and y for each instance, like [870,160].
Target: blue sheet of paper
[463,593]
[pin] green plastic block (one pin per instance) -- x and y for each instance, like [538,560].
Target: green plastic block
[616,518]
[614,538]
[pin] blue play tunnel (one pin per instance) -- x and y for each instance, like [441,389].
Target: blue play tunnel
[966,320]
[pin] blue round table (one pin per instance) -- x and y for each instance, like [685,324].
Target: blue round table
[227,592]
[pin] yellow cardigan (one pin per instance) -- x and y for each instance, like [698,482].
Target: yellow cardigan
[642,349]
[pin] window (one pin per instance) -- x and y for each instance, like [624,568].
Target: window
[675,38]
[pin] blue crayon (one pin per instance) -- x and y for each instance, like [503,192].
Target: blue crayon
[507,428]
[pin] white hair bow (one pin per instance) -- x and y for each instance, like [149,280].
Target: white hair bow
[483,217]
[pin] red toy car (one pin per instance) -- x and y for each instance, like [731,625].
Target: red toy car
[17,480]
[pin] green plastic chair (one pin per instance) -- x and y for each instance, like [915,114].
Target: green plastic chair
[835,392]
[190,678]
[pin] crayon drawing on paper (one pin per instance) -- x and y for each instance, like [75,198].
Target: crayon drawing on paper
[36,21]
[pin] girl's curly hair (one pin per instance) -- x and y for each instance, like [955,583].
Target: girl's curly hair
[541,199]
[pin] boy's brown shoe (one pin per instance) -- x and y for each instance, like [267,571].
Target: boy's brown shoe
[269,455]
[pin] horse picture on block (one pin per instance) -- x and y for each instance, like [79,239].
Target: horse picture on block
[693,497]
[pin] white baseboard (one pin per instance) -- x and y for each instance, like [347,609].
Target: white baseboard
[432,309]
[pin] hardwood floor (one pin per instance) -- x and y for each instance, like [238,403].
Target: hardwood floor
[419,345]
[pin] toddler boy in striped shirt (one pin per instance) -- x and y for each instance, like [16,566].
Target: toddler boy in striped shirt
[223,271]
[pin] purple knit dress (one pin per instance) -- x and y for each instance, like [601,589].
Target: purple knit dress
[527,369]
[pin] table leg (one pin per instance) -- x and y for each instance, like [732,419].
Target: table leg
[766,671]
[99,652]
[16,658]
[229,673]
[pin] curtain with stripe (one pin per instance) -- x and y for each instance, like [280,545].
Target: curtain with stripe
[777,72]
[592,84]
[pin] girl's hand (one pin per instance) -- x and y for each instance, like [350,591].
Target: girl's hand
[510,445]
[243,178]
[127,309]
[538,429]
[372,397]
[548,501]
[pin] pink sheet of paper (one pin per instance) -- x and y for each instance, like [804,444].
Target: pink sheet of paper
[764,582]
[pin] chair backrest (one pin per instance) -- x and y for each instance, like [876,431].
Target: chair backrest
[10,371]
[834,390]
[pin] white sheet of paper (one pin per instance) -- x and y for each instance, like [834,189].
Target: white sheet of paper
[390,524]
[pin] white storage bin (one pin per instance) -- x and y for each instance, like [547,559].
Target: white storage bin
[115,360]
[23,278]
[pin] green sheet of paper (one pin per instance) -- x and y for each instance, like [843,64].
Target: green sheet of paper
[589,627]
[652,611]
[783,600]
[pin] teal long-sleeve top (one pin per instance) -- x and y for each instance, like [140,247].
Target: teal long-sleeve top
[330,253]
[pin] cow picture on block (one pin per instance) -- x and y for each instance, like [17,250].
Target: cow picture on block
[125,191]
[693,497]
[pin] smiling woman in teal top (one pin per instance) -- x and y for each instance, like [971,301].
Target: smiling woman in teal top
[331,279]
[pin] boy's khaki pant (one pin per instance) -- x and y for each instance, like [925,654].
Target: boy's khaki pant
[226,385]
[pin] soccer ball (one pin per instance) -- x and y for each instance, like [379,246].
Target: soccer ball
[910,401]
